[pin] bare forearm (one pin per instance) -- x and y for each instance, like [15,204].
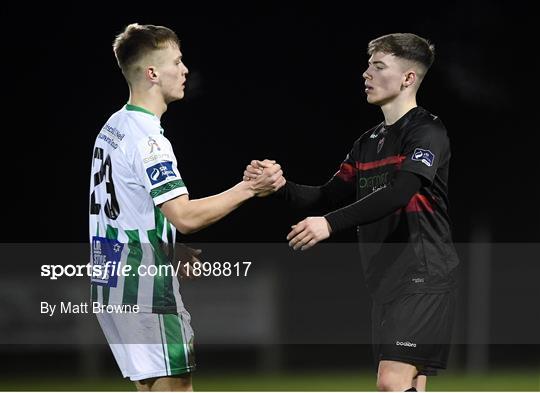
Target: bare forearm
[206,211]
[193,215]
[190,216]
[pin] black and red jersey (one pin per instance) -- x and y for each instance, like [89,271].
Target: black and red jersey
[410,250]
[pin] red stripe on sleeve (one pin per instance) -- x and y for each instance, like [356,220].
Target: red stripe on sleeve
[419,203]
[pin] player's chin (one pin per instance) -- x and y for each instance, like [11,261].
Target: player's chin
[175,97]
[374,100]
[181,92]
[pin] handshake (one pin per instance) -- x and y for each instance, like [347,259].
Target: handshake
[264,177]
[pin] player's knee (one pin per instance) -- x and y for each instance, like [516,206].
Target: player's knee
[392,382]
[177,383]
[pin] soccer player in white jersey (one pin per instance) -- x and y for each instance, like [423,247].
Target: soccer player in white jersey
[137,199]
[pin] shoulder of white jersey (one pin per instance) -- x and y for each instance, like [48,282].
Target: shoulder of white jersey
[112,135]
[156,165]
[154,148]
[128,127]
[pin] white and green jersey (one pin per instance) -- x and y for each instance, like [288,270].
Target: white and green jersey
[134,169]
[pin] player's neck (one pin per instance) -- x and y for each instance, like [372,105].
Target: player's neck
[393,111]
[156,105]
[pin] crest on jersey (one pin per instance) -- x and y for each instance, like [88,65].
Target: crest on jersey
[424,156]
[380,145]
[153,144]
[382,130]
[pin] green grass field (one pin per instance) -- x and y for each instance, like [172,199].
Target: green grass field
[499,381]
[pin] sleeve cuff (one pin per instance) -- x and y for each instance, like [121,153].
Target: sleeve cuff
[168,191]
[333,220]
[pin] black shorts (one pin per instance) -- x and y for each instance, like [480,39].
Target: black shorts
[415,328]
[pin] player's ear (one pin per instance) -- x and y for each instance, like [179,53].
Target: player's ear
[152,74]
[409,78]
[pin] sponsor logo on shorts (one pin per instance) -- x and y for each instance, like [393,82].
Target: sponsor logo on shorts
[406,344]
[161,172]
[424,156]
[418,280]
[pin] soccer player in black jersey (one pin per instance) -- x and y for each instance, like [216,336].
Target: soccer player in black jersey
[396,176]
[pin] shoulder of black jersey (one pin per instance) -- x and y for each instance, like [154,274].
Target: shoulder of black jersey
[424,119]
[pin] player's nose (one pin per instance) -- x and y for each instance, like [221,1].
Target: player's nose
[366,75]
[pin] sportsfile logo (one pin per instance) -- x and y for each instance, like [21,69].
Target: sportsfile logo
[405,344]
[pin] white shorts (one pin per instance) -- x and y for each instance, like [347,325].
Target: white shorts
[147,345]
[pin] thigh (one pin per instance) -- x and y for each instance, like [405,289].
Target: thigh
[177,383]
[416,329]
[147,346]
[395,375]
[109,327]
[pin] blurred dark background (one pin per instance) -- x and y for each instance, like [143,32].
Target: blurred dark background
[278,81]
[283,82]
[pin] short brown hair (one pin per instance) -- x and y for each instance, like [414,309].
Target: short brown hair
[137,40]
[407,46]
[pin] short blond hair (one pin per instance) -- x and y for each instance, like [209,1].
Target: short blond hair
[136,41]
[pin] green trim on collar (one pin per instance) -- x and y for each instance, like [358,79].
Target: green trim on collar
[130,107]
